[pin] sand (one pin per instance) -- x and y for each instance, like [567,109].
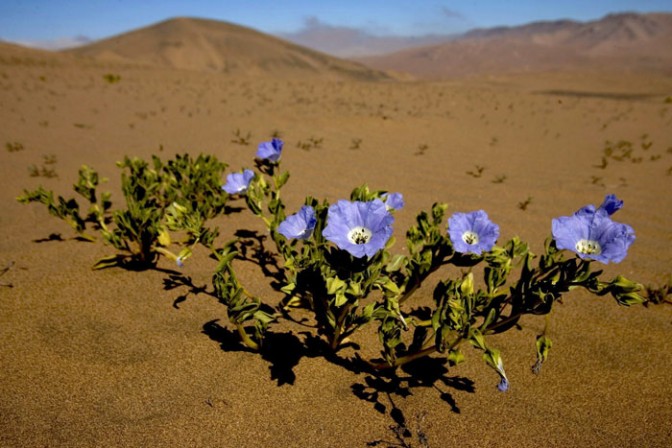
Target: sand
[113,358]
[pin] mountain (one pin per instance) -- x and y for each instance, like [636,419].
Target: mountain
[619,43]
[210,45]
[348,42]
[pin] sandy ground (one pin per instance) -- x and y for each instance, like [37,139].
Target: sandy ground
[108,358]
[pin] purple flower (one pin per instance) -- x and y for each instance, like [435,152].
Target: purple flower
[472,233]
[394,201]
[270,150]
[592,235]
[361,228]
[238,183]
[610,206]
[503,385]
[299,225]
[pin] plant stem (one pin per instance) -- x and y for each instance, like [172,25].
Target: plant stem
[245,338]
[511,320]
[338,331]
[413,356]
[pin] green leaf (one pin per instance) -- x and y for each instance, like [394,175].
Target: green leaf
[282,179]
[467,286]
[628,299]
[108,262]
[455,357]
[477,339]
[367,312]
[544,345]
[389,285]
[334,284]
[398,262]
[354,288]
[340,300]
[288,288]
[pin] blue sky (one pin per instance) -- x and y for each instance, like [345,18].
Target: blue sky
[44,21]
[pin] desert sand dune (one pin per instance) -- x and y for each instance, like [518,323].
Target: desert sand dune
[112,358]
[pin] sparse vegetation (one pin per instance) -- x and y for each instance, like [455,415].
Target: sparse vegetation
[310,143]
[44,170]
[112,78]
[524,204]
[241,139]
[659,294]
[14,146]
[422,149]
[477,172]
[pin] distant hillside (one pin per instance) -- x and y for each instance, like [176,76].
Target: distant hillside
[17,54]
[209,45]
[617,43]
[348,42]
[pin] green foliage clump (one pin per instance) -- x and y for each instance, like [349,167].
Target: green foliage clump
[179,195]
[344,292]
[111,78]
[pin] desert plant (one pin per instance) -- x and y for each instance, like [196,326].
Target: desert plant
[160,198]
[335,262]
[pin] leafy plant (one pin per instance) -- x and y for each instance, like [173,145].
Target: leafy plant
[240,139]
[112,78]
[14,146]
[478,171]
[160,198]
[335,262]
[524,204]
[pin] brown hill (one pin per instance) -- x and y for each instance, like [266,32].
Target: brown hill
[210,45]
[617,43]
[19,55]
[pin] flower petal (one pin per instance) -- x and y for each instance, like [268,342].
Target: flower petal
[345,216]
[478,226]
[299,225]
[270,150]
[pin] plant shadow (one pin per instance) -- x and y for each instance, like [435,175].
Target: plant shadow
[283,352]
[178,280]
[425,372]
[251,247]
[385,391]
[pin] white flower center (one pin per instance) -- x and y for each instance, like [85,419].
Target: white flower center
[305,233]
[470,237]
[359,235]
[588,247]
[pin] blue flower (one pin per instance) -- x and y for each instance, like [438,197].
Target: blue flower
[360,228]
[472,233]
[394,201]
[503,385]
[610,206]
[270,150]
[591,233]
[238,183]
[299,225]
